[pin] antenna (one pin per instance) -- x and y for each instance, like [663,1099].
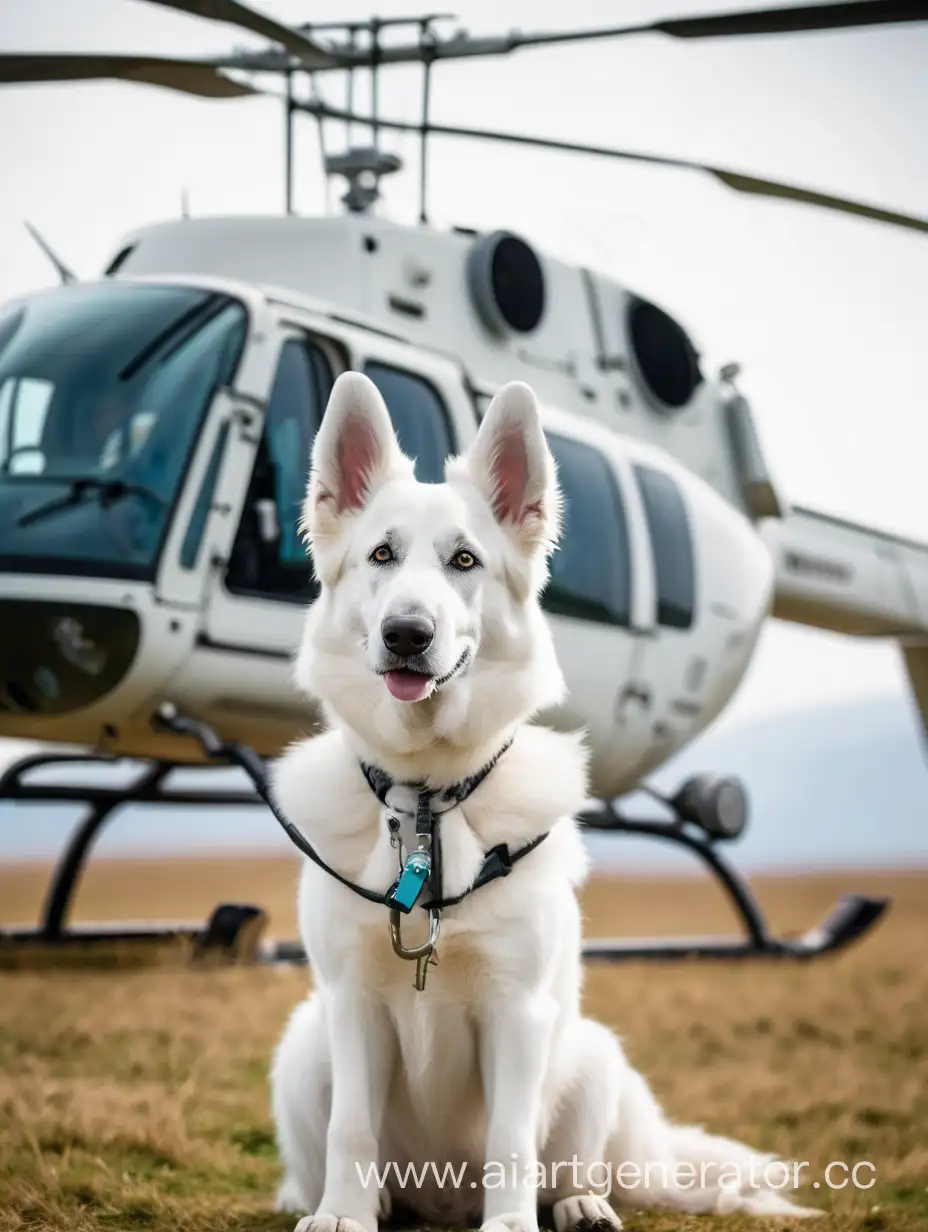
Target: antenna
[65,273]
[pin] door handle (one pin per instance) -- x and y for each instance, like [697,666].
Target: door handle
[634,691]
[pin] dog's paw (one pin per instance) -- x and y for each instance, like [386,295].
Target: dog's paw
[509,1223]
[320,1222]
[585,1213]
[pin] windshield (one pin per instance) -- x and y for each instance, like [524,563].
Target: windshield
[102,393]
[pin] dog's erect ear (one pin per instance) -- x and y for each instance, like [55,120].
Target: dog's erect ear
[511,464]
[355,452]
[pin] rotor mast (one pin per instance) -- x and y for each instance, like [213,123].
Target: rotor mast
[359,47]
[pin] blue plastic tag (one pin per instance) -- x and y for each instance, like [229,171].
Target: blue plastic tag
[411,881]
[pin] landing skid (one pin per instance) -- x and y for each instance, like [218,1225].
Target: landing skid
[234,932]
[852,916]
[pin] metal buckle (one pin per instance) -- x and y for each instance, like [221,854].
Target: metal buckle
[422,954]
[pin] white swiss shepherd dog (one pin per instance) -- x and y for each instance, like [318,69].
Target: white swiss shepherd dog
[493,1065]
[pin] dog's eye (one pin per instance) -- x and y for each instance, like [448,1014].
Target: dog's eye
[463,560]
[382,555]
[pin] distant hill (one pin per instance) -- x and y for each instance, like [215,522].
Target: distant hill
[832,786]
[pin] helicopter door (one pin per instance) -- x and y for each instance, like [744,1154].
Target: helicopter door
[260,593]
[592,601]
[676,673]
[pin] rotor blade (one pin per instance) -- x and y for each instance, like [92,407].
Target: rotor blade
[311,53]
[189,76]
[794,19]
[65,273]
[737,180]
[807,196]
[790,19]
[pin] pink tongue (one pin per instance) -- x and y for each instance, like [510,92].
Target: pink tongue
[408,686]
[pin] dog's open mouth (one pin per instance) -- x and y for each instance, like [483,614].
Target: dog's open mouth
[409,686]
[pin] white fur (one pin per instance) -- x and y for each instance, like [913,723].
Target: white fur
[493,1063]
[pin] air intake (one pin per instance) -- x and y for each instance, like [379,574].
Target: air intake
[506,283]
[665,358]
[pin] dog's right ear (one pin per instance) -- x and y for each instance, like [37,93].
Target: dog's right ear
[354,453]
[511,464]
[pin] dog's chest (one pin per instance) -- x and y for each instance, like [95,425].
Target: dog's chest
[461,968]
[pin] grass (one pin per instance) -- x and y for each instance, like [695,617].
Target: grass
[139,1099]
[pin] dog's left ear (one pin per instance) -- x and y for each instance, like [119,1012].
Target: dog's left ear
[511,464]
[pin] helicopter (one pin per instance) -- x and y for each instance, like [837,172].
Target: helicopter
[156,425]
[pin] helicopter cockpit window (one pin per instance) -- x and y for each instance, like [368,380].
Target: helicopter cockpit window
[672,545]
[269,557]
[419,419]
[591,570]
[23,408]
[102,392]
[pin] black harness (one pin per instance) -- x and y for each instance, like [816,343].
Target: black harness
[430,804]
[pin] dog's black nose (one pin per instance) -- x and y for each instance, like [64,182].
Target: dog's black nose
[407,635]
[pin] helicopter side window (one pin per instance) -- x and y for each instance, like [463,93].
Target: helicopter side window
[269,557]
[591,570]
[672,545]
[419,419]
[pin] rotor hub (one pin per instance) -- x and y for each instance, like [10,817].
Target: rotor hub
[363,167]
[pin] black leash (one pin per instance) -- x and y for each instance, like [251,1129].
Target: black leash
[497,863]
[168,718]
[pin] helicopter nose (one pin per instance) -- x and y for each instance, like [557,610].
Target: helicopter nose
[407,635]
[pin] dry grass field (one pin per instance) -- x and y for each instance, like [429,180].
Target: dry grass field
[139,1099]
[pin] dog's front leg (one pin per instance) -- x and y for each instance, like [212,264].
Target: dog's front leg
[363,1049]
[515,1039]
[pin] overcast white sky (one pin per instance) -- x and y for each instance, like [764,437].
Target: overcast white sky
[829,316]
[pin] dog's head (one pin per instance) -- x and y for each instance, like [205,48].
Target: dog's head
[428,628]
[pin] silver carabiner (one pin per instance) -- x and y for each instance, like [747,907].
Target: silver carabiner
[422,954]
[419,951]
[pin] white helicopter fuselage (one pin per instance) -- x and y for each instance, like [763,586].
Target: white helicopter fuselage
[155,430]
[657,597]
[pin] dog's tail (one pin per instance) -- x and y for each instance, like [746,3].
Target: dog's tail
[682,1167]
